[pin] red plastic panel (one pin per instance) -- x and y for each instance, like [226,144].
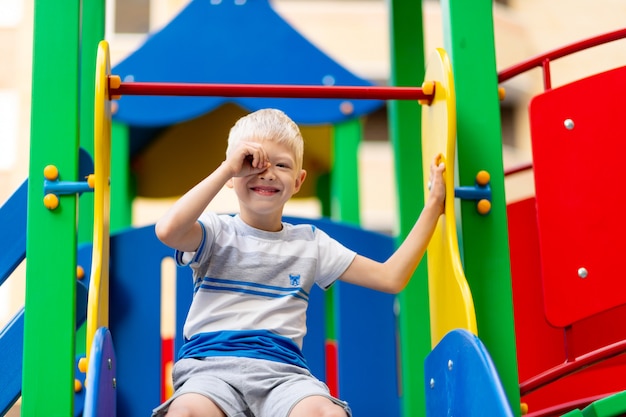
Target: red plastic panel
[539,345]
[579,144]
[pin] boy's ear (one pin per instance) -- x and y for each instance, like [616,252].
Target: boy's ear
[229,183]
[299,180]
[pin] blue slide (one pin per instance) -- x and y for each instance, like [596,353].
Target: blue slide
[13,250]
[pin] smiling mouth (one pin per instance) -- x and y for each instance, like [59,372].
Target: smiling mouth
[265,190]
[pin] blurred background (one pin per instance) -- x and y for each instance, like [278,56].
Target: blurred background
[355,33]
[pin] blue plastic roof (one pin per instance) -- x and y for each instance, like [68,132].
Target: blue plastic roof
[232,41]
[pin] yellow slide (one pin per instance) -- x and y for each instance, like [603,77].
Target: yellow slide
[451,304]
[98,302]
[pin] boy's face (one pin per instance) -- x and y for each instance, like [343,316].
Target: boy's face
[267,192]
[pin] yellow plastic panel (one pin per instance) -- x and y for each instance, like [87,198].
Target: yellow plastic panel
[451,304]
[98,303]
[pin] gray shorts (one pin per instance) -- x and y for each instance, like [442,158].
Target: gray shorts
[244,387]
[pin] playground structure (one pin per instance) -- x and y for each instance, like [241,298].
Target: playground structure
[493,330]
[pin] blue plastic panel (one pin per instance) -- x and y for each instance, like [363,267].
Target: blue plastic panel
[100,399]
[461,380]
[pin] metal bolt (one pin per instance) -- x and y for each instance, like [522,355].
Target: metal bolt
[450,363]
[432,383]
[569,124]
[346,107]
[582,273]
[114,383]
[110,363]
[328,80]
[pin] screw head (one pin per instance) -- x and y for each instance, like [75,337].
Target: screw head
[569,124]
[51,201]
[582,273]
[346,107]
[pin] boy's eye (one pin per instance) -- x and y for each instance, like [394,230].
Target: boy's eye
[282,165]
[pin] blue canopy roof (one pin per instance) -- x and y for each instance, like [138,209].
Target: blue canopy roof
[232,41]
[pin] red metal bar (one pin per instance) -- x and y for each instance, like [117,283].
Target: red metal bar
[269,90]
[559,53]
[568,368]
[519,168]
[547,80]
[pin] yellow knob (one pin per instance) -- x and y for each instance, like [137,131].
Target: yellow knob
[51,172]
[483,178]
[483,206]
[82,365]
[51,201]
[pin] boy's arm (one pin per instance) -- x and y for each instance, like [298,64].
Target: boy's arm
[179,228]
[393,275]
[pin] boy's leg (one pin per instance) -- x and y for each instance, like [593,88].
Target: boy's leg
[317,406]
[194,405]
[205,387]
[274,389]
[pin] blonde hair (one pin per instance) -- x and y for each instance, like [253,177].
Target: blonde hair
[271,125]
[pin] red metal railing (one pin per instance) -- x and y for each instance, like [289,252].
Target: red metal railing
[571,366]
[544,60]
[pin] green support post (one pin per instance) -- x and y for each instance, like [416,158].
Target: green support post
[49,327]
[92,32]
[407,69]
[122,190]
[469,37]
[345,172]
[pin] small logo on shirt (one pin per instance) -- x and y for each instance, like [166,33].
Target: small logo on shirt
[294,279]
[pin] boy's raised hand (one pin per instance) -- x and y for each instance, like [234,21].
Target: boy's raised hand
[247,158]
[437,182]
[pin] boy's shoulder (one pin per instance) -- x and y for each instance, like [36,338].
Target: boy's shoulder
[300,228]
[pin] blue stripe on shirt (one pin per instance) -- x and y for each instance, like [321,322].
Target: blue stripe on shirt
[249,291]
[243,287]
[256,344]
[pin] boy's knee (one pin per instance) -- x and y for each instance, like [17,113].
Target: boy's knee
[317,406]
[193,405]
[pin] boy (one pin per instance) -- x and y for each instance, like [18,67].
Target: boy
[253,275]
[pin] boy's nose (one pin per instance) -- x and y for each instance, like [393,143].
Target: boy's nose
[268,174]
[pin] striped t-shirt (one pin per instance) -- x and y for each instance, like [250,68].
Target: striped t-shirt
[251,287]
